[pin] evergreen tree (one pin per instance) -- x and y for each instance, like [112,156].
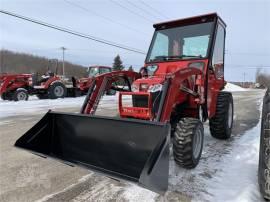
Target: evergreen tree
[118,64]
[131,68]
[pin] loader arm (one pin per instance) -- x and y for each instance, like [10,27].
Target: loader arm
[175,88]
[101,84]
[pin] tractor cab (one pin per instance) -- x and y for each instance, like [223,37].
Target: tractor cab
[93,71]
[191,44]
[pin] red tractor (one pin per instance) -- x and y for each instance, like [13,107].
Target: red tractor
[14,86]
[179,88]
[84,83]
[19,86]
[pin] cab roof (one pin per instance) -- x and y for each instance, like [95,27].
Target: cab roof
[100,66]
[188,21]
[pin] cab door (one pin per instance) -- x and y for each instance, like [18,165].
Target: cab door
[216,70]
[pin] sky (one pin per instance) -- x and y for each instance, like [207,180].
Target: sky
[130,22]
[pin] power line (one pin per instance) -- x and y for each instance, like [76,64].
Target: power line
[103,17]
[126,8]
[93,38]
[153,9]
[142,9]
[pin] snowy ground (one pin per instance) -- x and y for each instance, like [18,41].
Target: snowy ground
[234,88]
[37,106]
[238,179]
[227,170]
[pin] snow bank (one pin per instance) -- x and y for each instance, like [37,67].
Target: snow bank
[36,106]
[237,181]
[232,88]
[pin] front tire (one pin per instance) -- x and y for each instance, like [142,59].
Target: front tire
[57,90]
[111,92]
[20,94]
[221,124]
[188,142]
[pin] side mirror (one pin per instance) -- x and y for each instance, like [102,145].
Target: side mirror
[143,72]
[211,69]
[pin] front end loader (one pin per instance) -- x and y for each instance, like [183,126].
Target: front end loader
[178,88]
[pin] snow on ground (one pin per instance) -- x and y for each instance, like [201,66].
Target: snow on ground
[237,179]
[227,171]
[233,88]
[35,105]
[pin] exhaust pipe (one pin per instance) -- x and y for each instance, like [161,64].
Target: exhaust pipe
[126,149]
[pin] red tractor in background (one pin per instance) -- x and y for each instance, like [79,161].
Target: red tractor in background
[179,88]
[19,86]
[14,86]
[84,83]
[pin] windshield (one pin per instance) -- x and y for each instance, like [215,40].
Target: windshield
[191,41]
[93,71]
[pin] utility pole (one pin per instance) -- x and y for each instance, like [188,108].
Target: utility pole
[244,80]
[1,63]
[63,49]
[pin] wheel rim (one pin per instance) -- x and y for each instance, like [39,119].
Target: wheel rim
[230,115]
[197,143]
[21,96]
[58,91]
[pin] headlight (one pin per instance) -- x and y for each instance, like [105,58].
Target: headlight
[134,88]
[155,88]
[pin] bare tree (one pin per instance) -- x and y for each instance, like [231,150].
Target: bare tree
[262,78]
[13,62]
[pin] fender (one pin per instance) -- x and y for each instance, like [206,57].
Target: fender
[49,82]
[174,91]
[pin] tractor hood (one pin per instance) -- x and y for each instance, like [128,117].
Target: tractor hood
[146,84]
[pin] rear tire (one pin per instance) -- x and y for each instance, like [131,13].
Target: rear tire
[3,96]
[221,124]
[188,142]
[264,152]
[20,94]
[57,90]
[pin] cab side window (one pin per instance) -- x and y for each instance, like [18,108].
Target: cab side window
[104,70]
[218,54]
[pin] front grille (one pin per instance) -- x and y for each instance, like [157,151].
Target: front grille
[142,101]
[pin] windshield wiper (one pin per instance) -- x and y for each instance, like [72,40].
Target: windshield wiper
[191,56]
[174,57]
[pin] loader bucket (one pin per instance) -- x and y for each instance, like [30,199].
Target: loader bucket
[133,150]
